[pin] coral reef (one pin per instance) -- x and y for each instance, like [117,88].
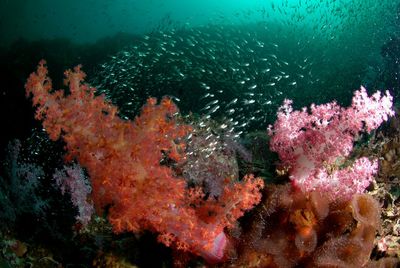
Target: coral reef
[385,145]
[293,229]
[178,181]
[20,188]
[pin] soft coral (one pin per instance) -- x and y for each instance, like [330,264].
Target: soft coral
[313,144]
[123,159]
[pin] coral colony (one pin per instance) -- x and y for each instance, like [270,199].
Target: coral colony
[314,144]
[123,161]
[322,218]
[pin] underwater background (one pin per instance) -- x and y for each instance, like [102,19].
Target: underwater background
[228,65]
[254,52]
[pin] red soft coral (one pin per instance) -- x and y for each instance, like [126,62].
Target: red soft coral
[123,161]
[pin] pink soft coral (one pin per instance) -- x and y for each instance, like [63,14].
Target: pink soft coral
[313,145]
[123,161]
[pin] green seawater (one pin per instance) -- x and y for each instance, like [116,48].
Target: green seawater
[230,60]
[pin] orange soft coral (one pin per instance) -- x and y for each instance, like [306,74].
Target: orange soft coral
[123,159]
